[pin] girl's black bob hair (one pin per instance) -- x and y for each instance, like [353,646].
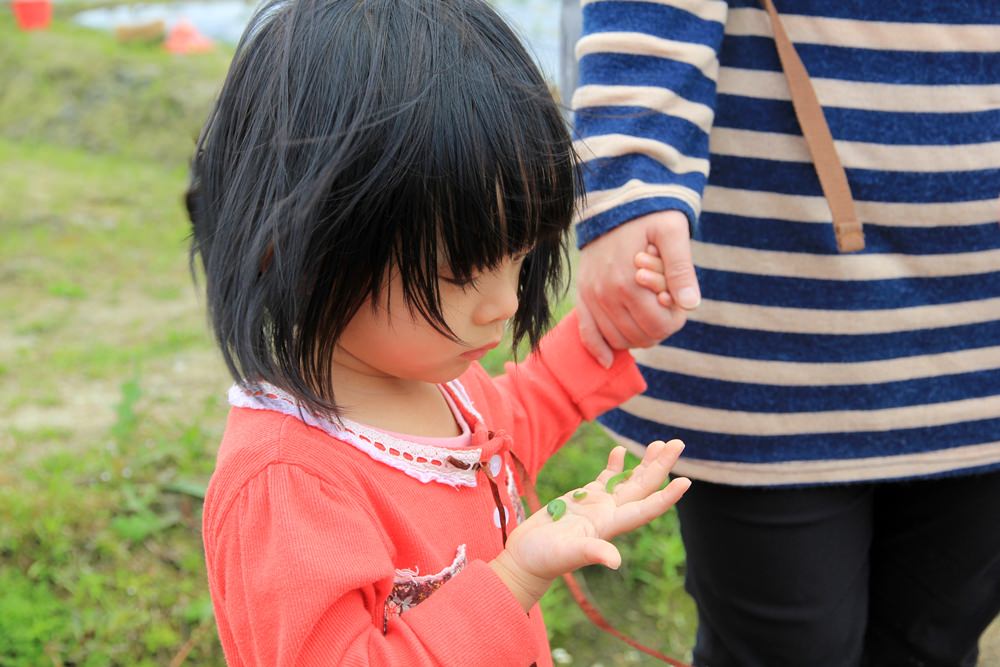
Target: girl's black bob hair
[355,137]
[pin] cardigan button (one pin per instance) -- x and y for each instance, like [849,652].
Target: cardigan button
[496,463]
[496,516]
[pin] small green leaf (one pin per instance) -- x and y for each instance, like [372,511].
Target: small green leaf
[556,508]
[616,480]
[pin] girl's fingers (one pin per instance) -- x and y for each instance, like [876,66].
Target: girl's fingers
[650,474]
[651,280]
[600,552]
[616,463]
[645,260]
[640,512]
[573,552]
[651,274]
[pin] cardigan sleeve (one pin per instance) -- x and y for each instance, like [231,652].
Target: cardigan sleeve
[300,570]
[645,107]
[558,386]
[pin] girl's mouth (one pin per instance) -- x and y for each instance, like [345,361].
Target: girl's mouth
[479,352]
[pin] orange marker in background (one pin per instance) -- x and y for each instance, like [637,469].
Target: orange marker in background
[32,14]
[185,38]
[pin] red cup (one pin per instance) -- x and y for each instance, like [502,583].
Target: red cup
[33,14]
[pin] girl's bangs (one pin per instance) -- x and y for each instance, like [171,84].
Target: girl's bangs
[495,174]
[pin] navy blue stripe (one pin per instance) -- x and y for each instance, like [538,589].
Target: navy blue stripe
[652,19]
[879,127]
[817,238]
[682,134]
[877,66]
[846,294]
[827,348]
[597,225]
[903,11]
[804,447]
[799,178]
[767,398]
[611,172]
[619,69]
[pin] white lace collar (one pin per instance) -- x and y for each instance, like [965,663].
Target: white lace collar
[427,463]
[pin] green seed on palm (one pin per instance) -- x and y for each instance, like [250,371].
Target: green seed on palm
[616,480]
[580,494]
[556,508]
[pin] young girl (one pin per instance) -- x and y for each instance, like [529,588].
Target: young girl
[382,187]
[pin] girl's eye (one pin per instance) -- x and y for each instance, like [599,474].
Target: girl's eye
[465,285]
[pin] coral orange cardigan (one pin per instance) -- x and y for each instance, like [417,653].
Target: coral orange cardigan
[334,546]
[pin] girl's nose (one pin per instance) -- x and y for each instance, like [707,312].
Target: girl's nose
[500,302]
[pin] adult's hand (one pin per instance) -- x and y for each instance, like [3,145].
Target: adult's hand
[615,311]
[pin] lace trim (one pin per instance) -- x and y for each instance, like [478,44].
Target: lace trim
[425,463]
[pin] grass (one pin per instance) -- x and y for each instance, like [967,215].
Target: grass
[112,397]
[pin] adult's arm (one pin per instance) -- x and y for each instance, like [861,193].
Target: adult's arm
[644,110]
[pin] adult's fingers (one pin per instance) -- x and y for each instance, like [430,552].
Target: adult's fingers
[591,337]
[673,240]
[626,314]
[621,308]
[657,316]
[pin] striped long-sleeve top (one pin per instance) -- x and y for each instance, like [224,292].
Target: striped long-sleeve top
[803,365]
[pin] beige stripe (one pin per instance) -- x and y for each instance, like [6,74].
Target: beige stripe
[615,145]
[707,10]
[844,267]
[844,322]
[657,99]
[599,201]
[860,95]
[640,44]
[799,208]
[878,35]
[731,422]
[796,374]
[842,470]
[857,154]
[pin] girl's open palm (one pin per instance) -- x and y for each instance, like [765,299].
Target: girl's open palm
[545,547]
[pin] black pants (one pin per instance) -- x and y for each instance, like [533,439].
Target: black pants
[879,575]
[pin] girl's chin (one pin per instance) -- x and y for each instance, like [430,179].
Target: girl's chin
[446,374]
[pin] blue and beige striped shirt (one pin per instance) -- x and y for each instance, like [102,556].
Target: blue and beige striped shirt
[802,365]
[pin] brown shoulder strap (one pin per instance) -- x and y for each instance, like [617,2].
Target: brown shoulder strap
[846,226]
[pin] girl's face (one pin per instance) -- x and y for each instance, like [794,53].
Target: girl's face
[398,343]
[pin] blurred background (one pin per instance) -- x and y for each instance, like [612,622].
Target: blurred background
[112,395]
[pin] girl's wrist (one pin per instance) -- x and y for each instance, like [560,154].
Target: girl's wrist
[527,588]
